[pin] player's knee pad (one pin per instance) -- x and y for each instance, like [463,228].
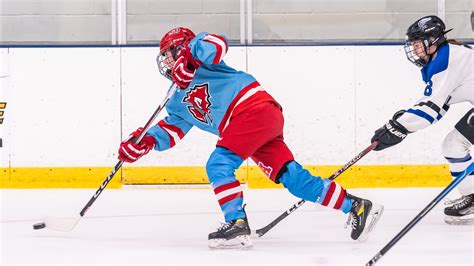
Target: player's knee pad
[301,183]
[455,145]
[221,166]
[465,126]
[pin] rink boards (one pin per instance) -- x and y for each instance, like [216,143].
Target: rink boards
[68,109]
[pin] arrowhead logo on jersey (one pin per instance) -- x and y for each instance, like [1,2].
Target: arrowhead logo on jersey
[200,101]
[267,170]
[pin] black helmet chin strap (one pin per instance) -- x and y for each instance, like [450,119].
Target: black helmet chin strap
[435,42]
[438,42]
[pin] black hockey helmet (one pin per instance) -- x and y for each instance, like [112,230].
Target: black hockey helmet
[430,30]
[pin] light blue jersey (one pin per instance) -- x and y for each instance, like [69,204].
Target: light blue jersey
[207,99]
[221,100]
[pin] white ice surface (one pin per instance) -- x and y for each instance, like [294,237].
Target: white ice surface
[170,226]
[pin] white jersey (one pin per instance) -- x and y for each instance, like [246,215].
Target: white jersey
[449,79]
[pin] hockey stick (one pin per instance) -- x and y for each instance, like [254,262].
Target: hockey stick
[422,214]
[260,232]
[68,224]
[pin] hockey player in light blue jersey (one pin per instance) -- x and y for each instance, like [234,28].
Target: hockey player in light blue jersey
[447,68]
[232,105]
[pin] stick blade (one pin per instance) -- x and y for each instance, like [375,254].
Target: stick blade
[254,234]
[61,224]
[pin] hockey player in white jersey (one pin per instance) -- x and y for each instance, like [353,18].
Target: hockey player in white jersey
[447,68]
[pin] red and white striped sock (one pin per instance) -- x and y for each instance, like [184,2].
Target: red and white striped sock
[228,192]
[335,196]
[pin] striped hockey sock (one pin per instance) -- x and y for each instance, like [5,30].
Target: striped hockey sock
[230,198]
[334,196]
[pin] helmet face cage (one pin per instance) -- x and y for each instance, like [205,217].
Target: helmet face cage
[430,30]
[163,67]
[412,56]
[170,45]
[166,60]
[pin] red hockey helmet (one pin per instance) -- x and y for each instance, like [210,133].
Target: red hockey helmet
[170,45]
[176,37]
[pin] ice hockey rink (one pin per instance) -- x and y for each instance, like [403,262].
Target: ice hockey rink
[169,225]
[77,77]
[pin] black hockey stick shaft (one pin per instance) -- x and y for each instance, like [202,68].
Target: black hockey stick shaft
[120,163]
[422,214]
[262,231]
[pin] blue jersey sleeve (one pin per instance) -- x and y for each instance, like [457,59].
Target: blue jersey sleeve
[209,48]
[169,131]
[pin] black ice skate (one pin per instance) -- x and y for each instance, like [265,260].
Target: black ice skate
[234,234]
[461,211]
[363,217]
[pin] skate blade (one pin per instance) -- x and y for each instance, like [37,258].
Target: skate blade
[374,216]
[464,220]
[240,242]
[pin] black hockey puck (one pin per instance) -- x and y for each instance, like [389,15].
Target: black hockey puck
[39,226]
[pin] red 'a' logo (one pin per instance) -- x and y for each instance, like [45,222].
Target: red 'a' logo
[200,101]
[267,170]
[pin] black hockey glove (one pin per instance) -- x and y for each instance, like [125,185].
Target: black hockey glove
[391,133]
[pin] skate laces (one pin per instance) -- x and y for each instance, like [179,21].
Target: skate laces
[452,202]
[352,221]
[460,203]
[225,226]
[463,202]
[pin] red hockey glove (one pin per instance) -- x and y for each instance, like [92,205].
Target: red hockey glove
[130,152]
[184,68]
